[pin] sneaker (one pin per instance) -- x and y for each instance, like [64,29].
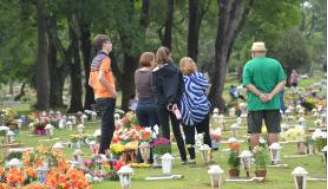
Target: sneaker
[184,162]
[192,161]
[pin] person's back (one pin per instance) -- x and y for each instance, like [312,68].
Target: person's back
[143,79]
[264,73]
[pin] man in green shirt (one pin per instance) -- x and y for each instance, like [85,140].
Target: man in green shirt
[264,78]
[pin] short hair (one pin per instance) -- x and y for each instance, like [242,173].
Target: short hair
[163,55]
[146,59]
[187,66]
[100,39]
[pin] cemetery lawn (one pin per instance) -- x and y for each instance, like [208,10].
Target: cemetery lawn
[196,177]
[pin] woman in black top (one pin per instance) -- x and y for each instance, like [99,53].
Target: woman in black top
[168,85]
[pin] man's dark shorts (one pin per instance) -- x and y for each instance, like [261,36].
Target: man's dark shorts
[272,119]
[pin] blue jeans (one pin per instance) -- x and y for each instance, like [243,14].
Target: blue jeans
[106,108]
[146,112]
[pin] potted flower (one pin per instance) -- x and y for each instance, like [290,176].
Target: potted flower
[234,160]
[234,164]
[261,160]
[160,146]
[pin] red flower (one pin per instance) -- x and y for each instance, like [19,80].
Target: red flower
[118,165]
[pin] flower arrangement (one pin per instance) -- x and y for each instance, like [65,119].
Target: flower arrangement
[234,160]
[71,179]
[216,134]
[8,116]
[261,159]
[161,146]
[117,149]
[234,163]
[127,129]
[320,139]
[99,170]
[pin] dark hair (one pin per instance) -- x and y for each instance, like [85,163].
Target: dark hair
[100,39]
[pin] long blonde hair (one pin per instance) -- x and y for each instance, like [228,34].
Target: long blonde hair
[163,55]
[187,66]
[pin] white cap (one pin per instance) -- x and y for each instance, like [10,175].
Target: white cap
[215,169]
[49,126]
[4,128]
[125,170]
[245,153]
[10,133]
[14,163]
[77,152]
[275,146]
[58,146]
[232,140]
[204,147]
[299,171]
[167,156]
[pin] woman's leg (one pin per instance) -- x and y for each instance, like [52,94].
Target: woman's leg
[203,127]
[189,132]
[178,136]
[163,116]
[141,112]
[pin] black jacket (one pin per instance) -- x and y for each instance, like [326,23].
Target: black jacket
[168,84]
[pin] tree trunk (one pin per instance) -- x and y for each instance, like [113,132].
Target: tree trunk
[232,14]
[86,54]
[128,87]
[75,71]
[21,93]
[193,28]
[11,87]
[130,56]
[56,78]
[42,76]
[167,42]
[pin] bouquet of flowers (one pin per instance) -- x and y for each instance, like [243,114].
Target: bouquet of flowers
[127,129]
[320,139]
[104,169]
[161,146]
[117,149]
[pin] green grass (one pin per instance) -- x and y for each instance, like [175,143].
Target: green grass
[196,177]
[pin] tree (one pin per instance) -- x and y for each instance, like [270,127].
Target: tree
[167,40]
[197,10]
[292,51]
[42,70]
[232,14]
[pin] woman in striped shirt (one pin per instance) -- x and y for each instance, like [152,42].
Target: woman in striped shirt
[195,106]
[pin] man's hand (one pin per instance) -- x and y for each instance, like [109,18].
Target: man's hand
[266,97]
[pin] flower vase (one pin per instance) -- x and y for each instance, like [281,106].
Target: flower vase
[145,152]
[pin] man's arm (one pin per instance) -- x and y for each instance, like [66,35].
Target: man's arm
[106,84]
[279,87]
[255,91]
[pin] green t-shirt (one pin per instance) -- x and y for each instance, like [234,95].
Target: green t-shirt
[264,73]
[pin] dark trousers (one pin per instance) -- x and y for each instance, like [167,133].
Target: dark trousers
[164,115]
[146,112]
[189,131]
[106,108]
